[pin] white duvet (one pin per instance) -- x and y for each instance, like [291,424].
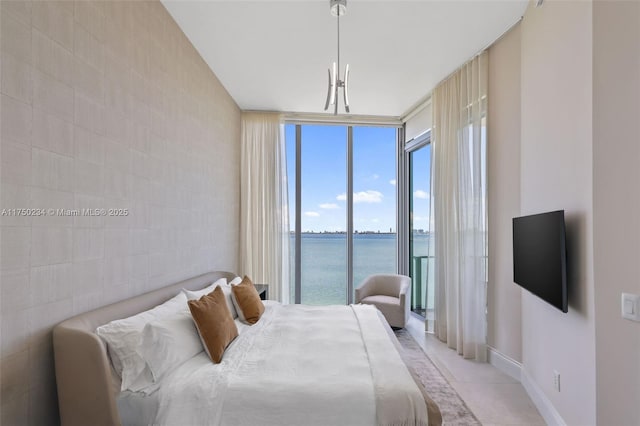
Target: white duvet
[299,365]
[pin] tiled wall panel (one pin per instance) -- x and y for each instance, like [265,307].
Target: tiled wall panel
[104,104]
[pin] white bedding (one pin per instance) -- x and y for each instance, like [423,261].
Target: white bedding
[141,409]
[136,408]
[299,365]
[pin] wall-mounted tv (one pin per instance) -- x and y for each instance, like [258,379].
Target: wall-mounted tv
[540,256]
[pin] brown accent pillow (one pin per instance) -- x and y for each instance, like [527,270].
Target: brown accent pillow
[247,300]
[214,323]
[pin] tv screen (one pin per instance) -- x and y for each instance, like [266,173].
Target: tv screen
[540,258]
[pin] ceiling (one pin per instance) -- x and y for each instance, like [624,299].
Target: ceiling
[274,55]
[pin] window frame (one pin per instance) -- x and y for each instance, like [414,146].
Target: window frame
[297,296]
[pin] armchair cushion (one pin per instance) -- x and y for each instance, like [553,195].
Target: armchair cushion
[378,300]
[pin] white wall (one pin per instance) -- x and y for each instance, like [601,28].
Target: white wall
[504,331]
[557,173]
[104,105]
[580,150]
[616,173]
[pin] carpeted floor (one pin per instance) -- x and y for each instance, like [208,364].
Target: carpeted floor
[454,410]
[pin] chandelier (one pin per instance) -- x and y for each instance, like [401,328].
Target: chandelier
[338,8]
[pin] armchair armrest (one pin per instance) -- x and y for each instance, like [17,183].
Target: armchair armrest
[364,290]
[405,289]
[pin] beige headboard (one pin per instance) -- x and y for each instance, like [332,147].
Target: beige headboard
[86,394]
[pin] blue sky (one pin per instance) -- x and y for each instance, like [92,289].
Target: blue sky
[324,178]
[421,186]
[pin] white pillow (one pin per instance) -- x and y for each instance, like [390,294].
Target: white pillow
[124,340]
[226,289]
[230,298]
[197,294]
[169,342]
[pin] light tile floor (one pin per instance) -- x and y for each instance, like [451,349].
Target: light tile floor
[495,398]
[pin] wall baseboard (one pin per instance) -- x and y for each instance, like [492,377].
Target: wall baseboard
[514,369]
[507,365]
[540,400]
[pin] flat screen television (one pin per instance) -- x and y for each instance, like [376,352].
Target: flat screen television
[540,256]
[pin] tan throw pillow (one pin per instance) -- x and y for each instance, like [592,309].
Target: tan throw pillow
[214,323]
[247,300]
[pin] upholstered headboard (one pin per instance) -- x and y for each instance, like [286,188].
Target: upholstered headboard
[86,392]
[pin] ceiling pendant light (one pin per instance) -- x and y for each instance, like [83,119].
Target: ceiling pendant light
[338,8]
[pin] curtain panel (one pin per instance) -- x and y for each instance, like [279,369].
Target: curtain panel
[460,209]
[264,216]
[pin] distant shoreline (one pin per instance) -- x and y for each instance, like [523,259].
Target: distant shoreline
[355,233]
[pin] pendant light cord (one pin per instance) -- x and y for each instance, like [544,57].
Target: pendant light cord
[337,77]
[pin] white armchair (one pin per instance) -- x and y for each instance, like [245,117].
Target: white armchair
[390,294]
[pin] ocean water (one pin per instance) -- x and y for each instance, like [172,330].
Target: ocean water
[324,266]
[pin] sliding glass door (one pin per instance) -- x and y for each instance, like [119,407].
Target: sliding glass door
[421,253]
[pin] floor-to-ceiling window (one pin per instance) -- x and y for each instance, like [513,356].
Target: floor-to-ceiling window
[374,202]
[342,198]
[323,175]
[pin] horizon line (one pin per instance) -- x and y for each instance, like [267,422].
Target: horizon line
[415,231]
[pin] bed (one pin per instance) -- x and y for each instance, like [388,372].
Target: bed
[297,365]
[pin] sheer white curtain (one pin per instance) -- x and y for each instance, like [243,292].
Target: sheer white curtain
[459,208]
[264,216]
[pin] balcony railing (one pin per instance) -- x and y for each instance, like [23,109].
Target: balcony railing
[421,303]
